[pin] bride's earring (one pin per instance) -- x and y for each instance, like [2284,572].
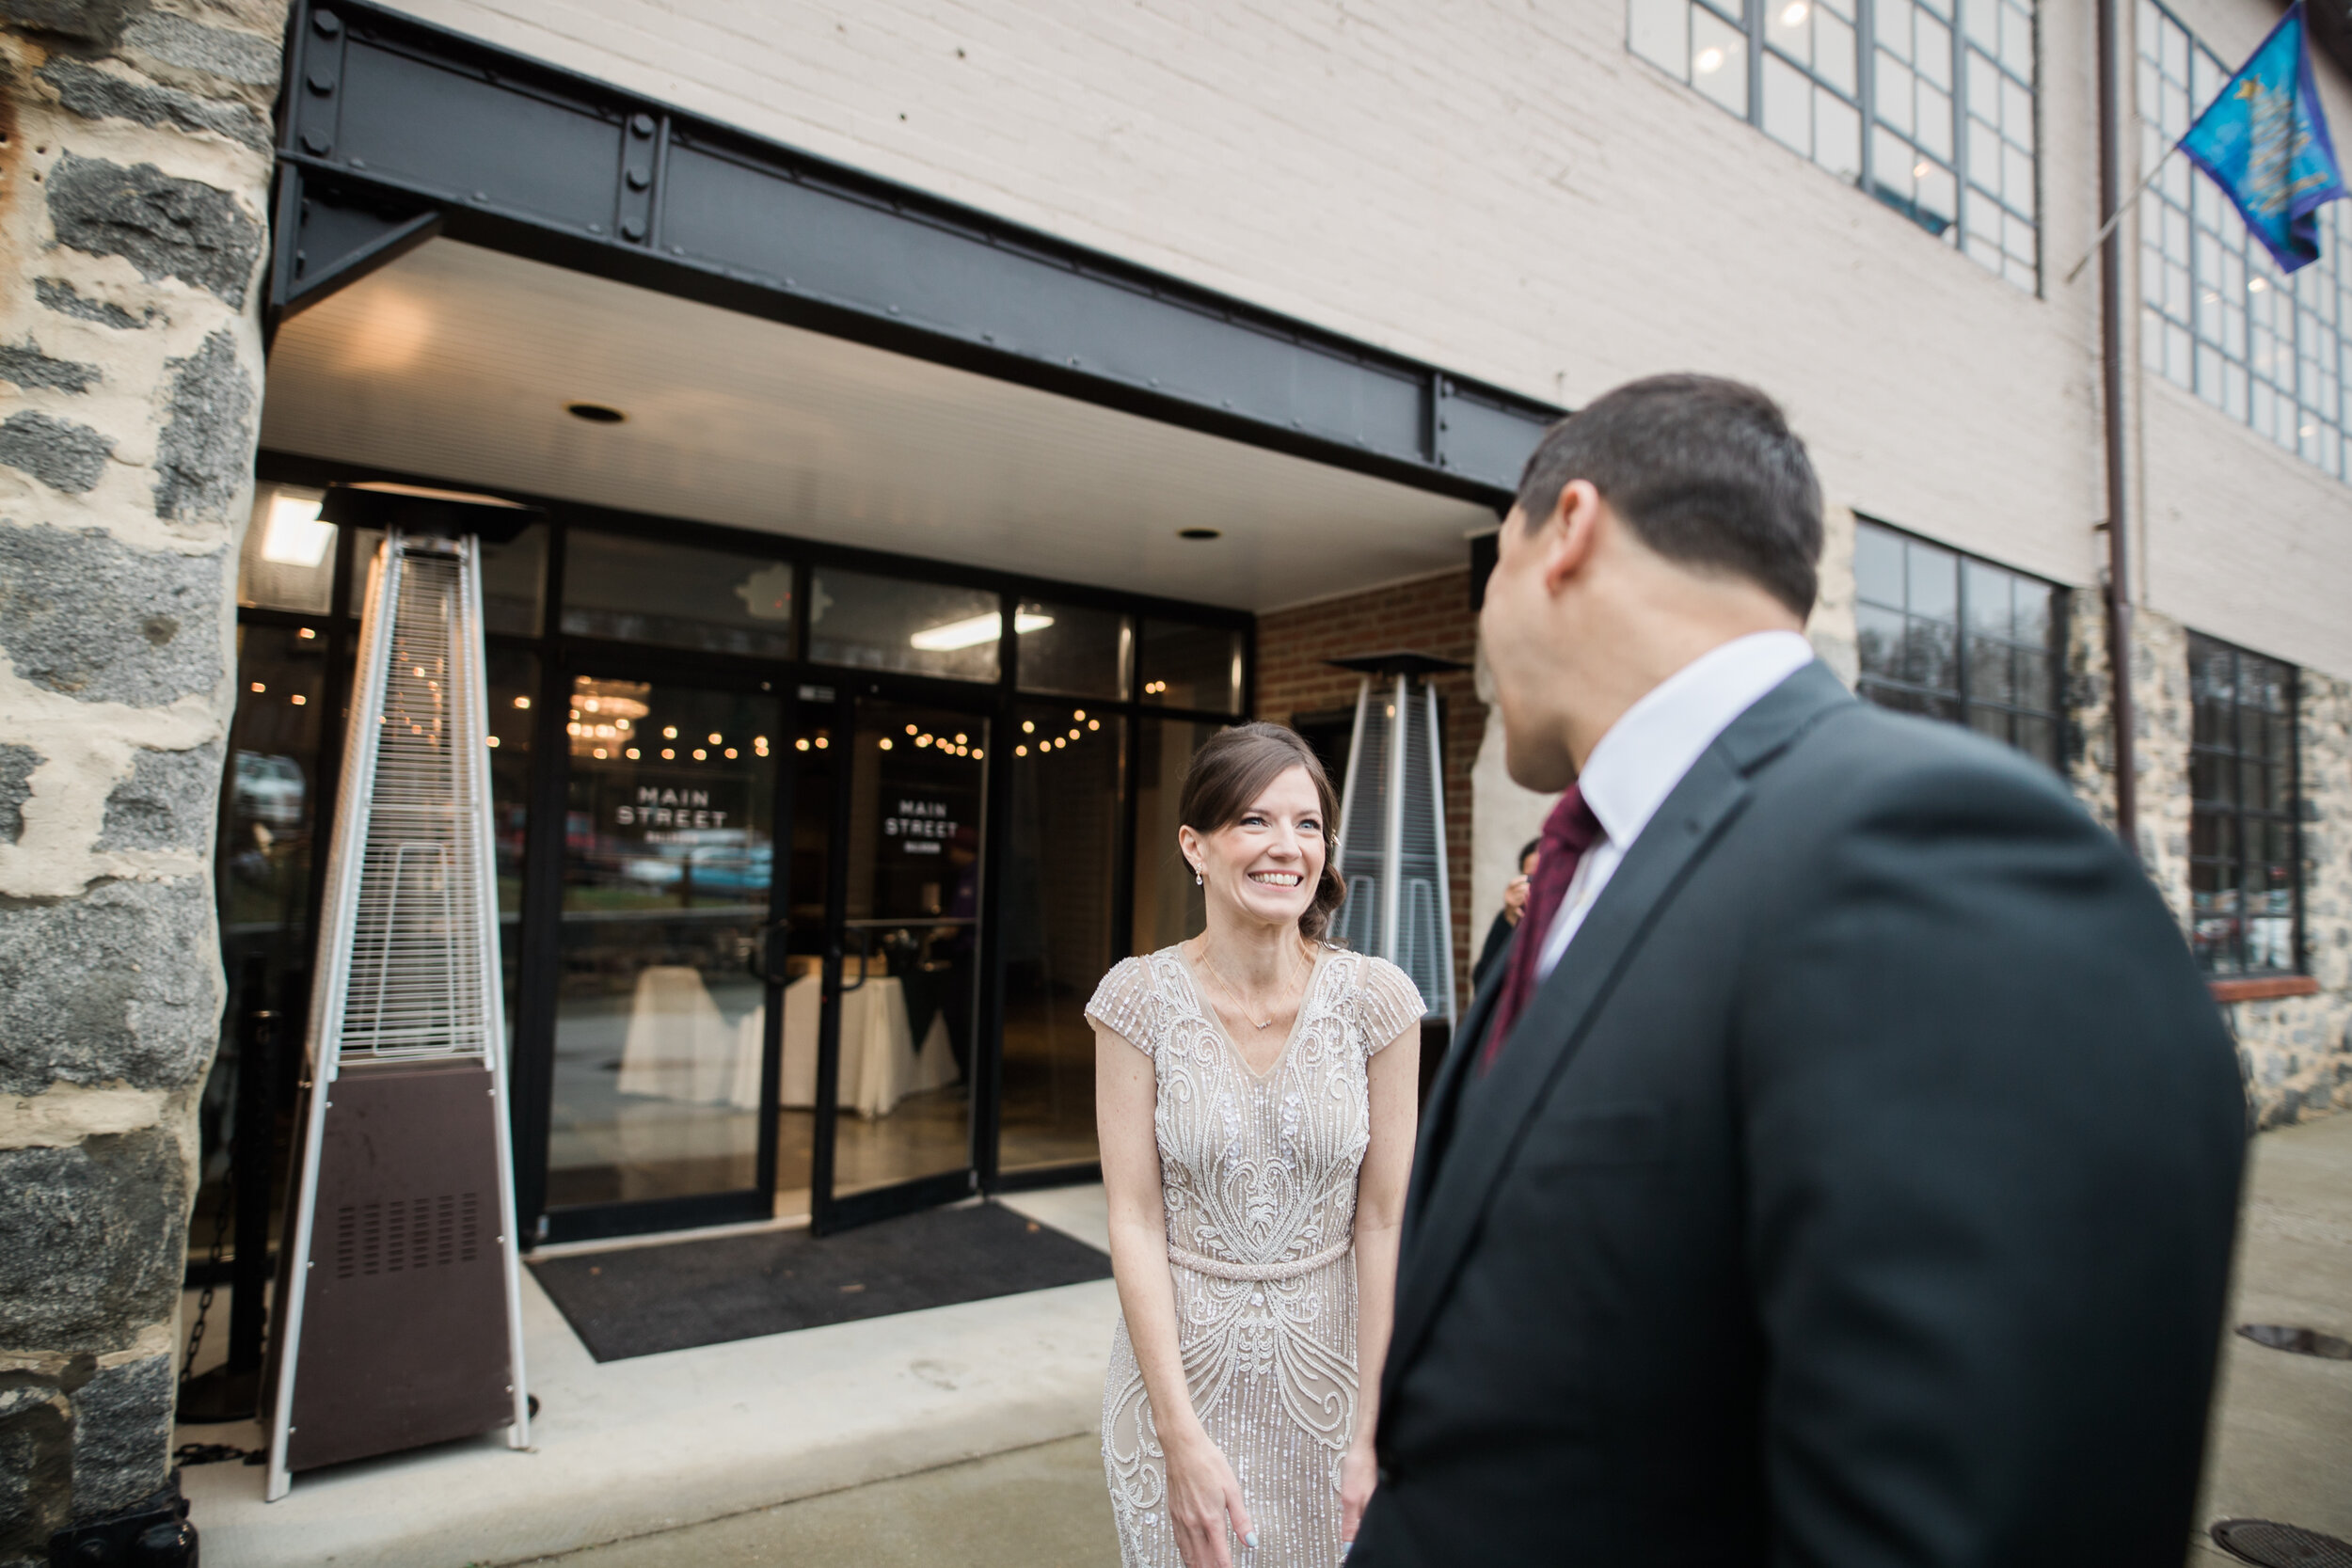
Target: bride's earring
[1198,880]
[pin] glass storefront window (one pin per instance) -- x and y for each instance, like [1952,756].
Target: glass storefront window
[659,1026]
[1168,906]
[1059,870]
[1073,652]
[924,628]
[1191,666]
[680,595]
[288,562]
[514,578]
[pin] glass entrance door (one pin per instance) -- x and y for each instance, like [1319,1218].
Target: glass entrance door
[900,1063]
[668,985]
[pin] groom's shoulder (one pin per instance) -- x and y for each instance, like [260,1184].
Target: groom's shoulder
[1864,761]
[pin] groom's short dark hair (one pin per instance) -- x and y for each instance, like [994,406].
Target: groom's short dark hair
[1705,471]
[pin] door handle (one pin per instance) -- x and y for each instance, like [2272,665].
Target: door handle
[759,957]
[864,957]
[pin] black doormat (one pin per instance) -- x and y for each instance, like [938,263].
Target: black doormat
[641,1301]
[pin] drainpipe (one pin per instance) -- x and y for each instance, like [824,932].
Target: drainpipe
[2111,387]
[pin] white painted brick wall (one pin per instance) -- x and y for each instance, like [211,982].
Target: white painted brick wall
[1502,187]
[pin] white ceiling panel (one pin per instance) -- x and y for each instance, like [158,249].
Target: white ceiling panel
[456,363]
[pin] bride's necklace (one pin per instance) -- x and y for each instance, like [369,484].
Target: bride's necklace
[1227,986]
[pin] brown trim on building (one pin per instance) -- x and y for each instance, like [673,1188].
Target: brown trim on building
[2263,988]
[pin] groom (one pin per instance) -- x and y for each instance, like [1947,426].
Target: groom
[1842,1168]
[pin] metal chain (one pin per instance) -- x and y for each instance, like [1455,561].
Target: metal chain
[226,1206]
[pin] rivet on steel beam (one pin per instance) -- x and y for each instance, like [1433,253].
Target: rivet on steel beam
[595,228]
[893,309]
[482,196]
[677,250]
[313,142]
[632,230]
[640,125]
[1445,424]
[327,23]
[639,179]
[358,162]
[320,83]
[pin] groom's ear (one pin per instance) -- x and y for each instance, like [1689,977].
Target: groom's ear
[1569,538]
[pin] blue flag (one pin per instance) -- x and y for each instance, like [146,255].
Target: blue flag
[2265,141]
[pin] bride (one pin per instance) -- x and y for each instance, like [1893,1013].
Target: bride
[1256,1099]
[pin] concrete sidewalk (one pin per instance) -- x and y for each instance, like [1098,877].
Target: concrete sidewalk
[2282,1445]
[627,1448]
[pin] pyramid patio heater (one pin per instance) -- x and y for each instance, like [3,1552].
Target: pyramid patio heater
[399,1319]
[1392,826]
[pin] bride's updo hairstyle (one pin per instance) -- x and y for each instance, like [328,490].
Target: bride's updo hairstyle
[1228,775]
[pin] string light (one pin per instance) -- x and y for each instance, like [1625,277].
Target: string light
[700,754]
[668,755]
[258,686]
[298,699]
[523,701]
[1021,751]
[631,754]
[885,743]
[801,745]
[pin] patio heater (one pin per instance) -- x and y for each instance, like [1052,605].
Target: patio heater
[400,1318]
[1391,847]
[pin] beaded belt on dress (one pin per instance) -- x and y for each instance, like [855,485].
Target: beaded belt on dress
[1289,1268]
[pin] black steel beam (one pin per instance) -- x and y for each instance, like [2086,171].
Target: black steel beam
[392,130]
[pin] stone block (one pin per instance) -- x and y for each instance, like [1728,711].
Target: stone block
[168,801]
[56,294]
[122,1436]
[165,227]
[115,985]
[35,1466]
[90,1241]
[27,366]
[246,59]
[16,773]
[86,614]
[59,453]
[204,458]
[95,94]
[99,22]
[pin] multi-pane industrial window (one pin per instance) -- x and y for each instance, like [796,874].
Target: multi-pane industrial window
[2245,863]
[1955,637]
[2218,316]
[1945,87]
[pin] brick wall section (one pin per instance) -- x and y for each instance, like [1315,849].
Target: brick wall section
[1429,615]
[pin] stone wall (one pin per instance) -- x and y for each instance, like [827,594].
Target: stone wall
[134,173]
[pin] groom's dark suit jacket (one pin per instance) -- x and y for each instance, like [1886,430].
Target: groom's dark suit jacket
[1858,1190]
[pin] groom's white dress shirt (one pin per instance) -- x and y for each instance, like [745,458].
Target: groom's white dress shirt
[1647,750]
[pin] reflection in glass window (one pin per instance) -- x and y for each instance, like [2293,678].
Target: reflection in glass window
[288,560]
[2216,315]
[1958,639]
[668,856]
[2246,887]
[925,629]
[1168,905]
[680,595]
[1074,652]
[1951,83]
[1189,666]
[1057,926]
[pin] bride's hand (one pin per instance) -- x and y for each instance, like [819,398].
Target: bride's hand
[1203,1495]
[1360,1472]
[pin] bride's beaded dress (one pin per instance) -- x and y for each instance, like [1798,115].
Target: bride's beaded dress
[1257,1174]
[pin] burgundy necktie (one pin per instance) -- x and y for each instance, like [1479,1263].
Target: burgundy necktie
[1568,831]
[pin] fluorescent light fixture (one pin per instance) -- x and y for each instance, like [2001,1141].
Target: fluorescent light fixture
[294,537]
[979,628]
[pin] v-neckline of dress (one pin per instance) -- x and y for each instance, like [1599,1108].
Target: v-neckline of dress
[1241,1058]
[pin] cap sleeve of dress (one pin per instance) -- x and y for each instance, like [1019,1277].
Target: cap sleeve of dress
[1123,1004]
[1386,1003]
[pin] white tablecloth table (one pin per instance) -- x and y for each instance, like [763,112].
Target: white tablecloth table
[679,1045]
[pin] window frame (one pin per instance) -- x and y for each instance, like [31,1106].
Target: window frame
[2204,280]
[2058,715]
[2231,759]
[1749,19]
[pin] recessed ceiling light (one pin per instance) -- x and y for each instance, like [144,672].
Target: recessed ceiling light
[594,413]
[1199,533]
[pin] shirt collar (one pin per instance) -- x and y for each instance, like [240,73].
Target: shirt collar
[1643,755]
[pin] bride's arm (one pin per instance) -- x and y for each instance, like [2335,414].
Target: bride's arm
[1393,1078]
[1203,1492]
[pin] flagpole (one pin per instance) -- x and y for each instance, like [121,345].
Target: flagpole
[2117,216]
[2121,718]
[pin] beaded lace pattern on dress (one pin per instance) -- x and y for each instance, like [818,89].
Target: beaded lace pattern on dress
[1258,1176]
